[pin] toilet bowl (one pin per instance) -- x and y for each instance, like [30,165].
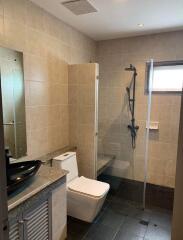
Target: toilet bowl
[85,197]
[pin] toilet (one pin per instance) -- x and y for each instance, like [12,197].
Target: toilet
[85,197]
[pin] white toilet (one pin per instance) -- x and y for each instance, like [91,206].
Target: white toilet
[85,197]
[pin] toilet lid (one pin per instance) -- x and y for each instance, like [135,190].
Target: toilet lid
[89,187]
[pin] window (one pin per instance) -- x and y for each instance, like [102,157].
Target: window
[167,76]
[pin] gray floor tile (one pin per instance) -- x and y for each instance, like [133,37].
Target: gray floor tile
[112,219]
[100,232]
[157,233]
[74,236]
[119,220]
[133,227]
[77,229]
[127,236]
[161,218]
[124,207]
[143,215]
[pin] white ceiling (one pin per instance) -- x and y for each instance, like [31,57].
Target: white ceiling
[120,18]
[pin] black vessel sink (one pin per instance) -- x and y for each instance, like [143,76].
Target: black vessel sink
[19,173]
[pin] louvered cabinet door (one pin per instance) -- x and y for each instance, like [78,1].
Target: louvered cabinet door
[16,229]
[37,222]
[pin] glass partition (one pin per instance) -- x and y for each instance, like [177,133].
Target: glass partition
[123,104]
[162,133]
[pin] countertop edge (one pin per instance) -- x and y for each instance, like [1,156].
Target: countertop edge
[18,200]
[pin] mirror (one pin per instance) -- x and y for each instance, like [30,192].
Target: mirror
[13,101]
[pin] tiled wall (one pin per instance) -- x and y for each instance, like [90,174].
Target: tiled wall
[113,57]
[48,46]
[82,112]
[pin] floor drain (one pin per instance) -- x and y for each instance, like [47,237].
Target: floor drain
[145,223]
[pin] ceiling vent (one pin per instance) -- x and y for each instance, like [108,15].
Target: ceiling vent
[79,7]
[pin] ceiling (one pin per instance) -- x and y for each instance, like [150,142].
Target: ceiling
[120,18]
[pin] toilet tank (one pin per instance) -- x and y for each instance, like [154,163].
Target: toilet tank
[67,161]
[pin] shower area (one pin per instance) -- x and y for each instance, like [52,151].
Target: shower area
[138,126]
[126,109]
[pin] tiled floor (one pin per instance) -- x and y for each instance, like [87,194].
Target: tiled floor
[123,220]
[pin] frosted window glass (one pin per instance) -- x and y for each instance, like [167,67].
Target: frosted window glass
[168,78]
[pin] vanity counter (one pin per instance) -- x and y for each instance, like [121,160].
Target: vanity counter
[45,177]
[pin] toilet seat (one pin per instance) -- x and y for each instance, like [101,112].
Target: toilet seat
[89,187]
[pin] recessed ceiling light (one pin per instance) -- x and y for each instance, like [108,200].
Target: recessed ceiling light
[141,25]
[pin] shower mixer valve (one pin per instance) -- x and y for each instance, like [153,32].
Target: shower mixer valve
[133,130]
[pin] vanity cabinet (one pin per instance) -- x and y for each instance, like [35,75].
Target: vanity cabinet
[33,223]
[43,216]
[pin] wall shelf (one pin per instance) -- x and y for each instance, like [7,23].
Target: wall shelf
[103,162]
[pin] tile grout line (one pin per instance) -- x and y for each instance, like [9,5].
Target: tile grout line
[115,235]
[94,222]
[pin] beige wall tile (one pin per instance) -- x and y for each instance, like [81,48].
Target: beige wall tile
[34,42]
[86,114]
[15,10]
[82,115]
[35,17]
[46,43]
[86,94]
[73,97]
[1,8]
[54,137]
[35,68]
[139,171]
[52,25]
[113,56]
[54,115]
[39,142]
[39,93]
[38,117]
[14,37]
[2,40]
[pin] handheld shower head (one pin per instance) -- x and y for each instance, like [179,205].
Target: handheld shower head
[131,68]
[128,89]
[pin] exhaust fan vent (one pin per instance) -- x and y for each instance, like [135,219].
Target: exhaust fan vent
[79,7]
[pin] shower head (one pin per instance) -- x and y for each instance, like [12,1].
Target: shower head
[128,89]
[131,68]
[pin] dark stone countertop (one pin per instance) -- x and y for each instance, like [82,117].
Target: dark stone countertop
[46,176]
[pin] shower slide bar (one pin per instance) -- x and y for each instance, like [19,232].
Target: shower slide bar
[131,100]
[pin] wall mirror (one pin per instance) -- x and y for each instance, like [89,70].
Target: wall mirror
[13,101]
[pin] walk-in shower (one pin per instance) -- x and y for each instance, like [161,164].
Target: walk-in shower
[131,100]
[137,91]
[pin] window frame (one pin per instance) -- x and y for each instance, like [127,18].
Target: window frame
[161,64]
